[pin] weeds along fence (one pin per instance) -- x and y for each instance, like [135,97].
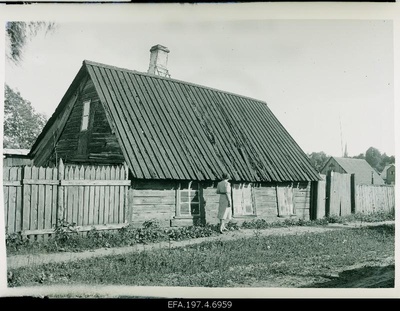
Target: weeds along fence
[38,198]
[338,195]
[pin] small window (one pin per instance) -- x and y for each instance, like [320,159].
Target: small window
[188,199]
[85,115]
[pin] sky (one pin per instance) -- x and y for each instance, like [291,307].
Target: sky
[329,81]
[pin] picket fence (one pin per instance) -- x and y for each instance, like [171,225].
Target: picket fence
[37,198]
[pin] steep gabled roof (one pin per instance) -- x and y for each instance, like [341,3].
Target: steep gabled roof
[361,169]
[170,129]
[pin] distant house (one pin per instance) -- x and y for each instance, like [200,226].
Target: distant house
[177,138]
[388,174]
[16,157]
[363,172]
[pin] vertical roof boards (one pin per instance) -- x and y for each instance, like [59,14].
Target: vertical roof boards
[172,129]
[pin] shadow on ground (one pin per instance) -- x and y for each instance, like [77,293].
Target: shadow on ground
[365,277]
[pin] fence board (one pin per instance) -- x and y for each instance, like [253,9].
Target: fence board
[6,176]
[91,207]
[96,214]
[48,199]
[41,199]
[102,199]
[80,197]
[106,197]
[34,200]
[321,197]
[26,212]
[112,197]
[12,201]
[61,193]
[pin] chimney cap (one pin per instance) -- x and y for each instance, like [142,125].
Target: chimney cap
[159,47]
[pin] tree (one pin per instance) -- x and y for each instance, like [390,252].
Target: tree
[377,160]
[22,124]
[318,159]
[18,33]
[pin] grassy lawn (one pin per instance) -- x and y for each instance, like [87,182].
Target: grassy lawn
[291,261]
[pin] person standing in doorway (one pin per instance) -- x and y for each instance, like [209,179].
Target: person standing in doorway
[225,202]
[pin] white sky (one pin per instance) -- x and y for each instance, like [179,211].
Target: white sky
[315,64]
[329,82]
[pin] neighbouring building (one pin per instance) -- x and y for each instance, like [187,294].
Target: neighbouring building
[388,174]
[16,157]
[364,174]
[177,138]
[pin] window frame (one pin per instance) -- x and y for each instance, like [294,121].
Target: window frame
[85,116]
[189,190]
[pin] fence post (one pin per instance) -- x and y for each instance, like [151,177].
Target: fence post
[353,193]
[60,203]
[328,193]
[314,200]
[128,197]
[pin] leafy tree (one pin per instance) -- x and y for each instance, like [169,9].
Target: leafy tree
[318,159]
[18,34]
[22,124]
[377,160]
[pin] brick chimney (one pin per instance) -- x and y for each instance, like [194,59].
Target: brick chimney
[158,61]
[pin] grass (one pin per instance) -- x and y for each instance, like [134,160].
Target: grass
[243,262]
[67,240]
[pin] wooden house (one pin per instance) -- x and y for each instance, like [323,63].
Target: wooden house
[177,138]
[16,157]
[364,174]
[388,174]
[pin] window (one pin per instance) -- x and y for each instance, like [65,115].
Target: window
[85,115]
[243,202]
[188,199]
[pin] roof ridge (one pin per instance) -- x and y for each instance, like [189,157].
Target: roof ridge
[89,62]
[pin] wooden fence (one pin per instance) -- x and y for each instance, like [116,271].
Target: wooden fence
[338,195]
[36,198]
[373,198]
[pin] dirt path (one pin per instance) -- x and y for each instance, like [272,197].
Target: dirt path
[18,261]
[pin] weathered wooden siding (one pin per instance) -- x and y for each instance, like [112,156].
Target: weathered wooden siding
[16,161]
[266,200]
[302,200]
[211,202]
[153,200]
[95,145]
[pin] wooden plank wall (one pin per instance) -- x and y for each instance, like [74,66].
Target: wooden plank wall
[374,198]
[265,196]
[152,200]
[16,161]
[302,200]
